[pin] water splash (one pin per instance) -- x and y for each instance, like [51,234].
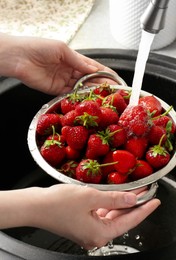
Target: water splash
[137,237]
[143,53]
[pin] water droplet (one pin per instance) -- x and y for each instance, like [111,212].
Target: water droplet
[125,235]
[110,244]
[137,237]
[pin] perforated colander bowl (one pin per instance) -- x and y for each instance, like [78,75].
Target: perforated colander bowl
[50,106]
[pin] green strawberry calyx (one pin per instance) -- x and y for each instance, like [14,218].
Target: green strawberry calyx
[93,166]
[68,168]
[159,149]
[107,134]
[74,97]
[93,96]
[48,143]
[87,120]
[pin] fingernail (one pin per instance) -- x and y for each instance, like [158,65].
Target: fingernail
[130,198]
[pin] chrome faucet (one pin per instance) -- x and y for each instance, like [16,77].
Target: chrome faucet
[153,18]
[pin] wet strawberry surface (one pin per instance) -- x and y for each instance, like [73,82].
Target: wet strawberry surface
[109,141]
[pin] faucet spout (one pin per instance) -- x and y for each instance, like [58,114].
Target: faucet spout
[153,18]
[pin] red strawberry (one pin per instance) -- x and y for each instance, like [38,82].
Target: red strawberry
[97,146]
[89,113]
[103,90]
[57,137]
[126,161]
[96,98]
[46,122]
[152,104]
[69,103]
[64,131]
[116,178]
[108,159]
[92,131]
[53,151]
[117,135]
[136,121]
[69,168]
[109,116]
[156,133]
[142,170]
[76,136]
[137,146]
[89,171]
[117,101]
[157,156]
[169,125]
[72,154]
[69,118]
[125,94]
[166,122]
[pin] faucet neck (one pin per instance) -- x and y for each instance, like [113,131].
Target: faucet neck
[160,3]
[153,19]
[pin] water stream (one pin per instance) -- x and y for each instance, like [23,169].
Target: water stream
[143,53]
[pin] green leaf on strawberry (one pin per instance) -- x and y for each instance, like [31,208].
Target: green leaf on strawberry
[158,156]
[69,168]
[89,171]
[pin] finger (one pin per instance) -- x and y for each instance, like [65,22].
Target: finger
[139,190]
[102,212]
[114,213]
[97,64]
[123,223]
[113,200]
[98,81]
[78,62]
[84,64]
[77,74]
[133,217]
[111,214]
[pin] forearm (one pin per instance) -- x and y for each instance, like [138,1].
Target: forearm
[20,207]
[9,54]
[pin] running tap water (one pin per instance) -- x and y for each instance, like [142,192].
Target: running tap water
[152,21]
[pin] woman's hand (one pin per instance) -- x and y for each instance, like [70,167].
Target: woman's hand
[88,216]
[47,65]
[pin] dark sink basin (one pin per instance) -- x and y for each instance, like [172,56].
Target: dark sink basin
[155,237]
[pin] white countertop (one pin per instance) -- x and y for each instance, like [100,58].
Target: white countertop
[95,32]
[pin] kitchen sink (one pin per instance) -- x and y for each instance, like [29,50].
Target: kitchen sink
[155,237]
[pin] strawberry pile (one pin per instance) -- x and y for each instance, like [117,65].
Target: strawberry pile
[95,137]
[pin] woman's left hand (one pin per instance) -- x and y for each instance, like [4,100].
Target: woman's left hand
[49,66]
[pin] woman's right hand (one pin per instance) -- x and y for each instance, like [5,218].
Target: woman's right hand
[89,217]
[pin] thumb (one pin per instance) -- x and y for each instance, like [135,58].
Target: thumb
[115,200]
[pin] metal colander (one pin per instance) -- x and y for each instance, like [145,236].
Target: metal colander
[120,84]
